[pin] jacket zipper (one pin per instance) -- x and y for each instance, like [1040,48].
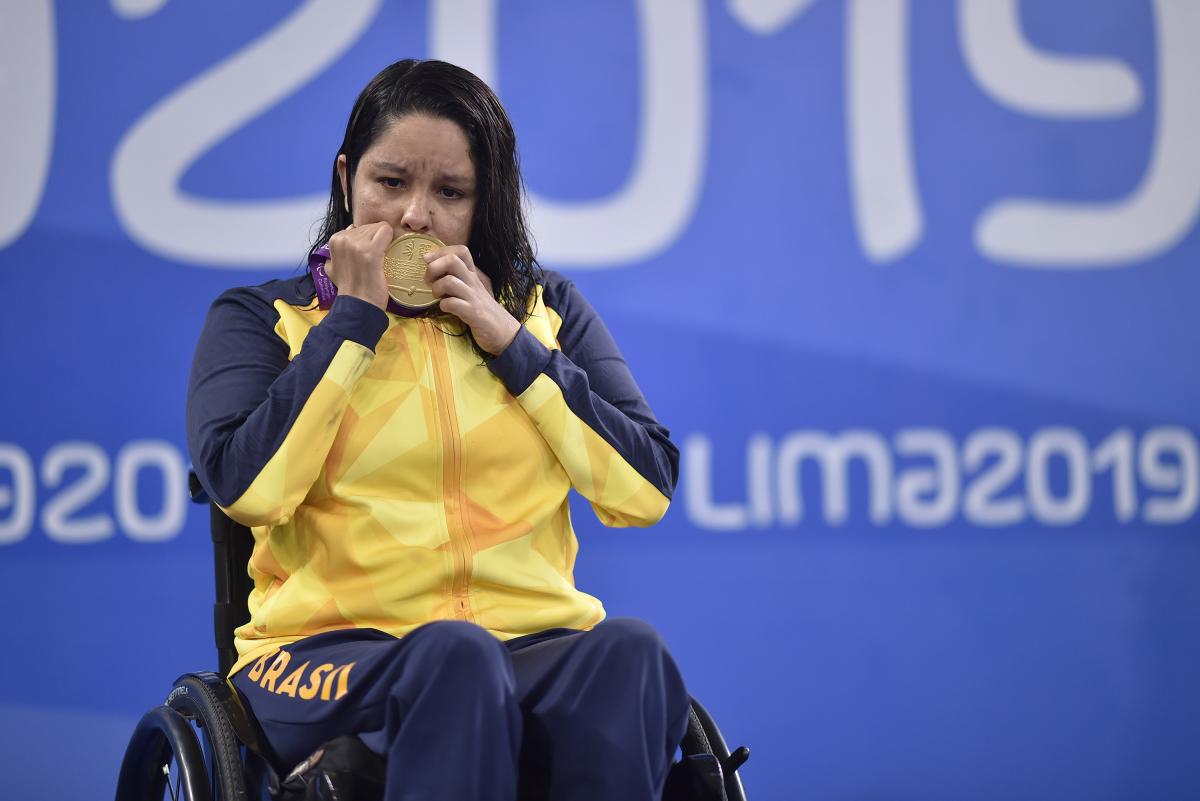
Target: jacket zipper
[457,524]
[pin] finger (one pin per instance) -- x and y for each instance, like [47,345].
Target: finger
[456,306]
[450,286]
[381,230]
[450,264]
[361,233]
[445,265]
[461,251]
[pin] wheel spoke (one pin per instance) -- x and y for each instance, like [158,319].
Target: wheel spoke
[173,790]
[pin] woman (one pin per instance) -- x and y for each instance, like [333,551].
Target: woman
[406,478]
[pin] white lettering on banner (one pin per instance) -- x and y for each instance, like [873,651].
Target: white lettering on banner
[657,201]
[137,9]
[882,169]
[153,156]
[886,203]
[924,479]
[16,501]
[758,484]
[1180,478]
[1116,454]
[1019,232]
[832,456]
[697,467]
[650,210]
[1016,74]
[927,497]
[1072,448]
[883,181]
[131,460]
[58,519]
[28,77]
[765,17]
[996,454]
[1159,212]
[697,480]
[76,474]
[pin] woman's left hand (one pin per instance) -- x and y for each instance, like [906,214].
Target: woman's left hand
[466,293]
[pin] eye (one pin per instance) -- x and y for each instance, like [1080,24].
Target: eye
[391,183]
[451,192]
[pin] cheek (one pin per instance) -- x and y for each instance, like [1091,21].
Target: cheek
[463,222]
[366,207]
[464,225]
[452,224]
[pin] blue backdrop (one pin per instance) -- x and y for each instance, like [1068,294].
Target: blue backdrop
[913,284]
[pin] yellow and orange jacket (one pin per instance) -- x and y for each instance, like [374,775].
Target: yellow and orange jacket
[392,477]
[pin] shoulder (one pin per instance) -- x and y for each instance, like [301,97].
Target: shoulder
[261,300]
[560,295]
[576,324]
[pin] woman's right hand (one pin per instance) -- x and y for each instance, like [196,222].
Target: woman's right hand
[355,263]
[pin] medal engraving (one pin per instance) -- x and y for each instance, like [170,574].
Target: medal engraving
[404,270]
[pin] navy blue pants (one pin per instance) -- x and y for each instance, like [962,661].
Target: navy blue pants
[592,716]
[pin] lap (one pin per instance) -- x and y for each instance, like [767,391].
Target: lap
[565,656]
[342,682]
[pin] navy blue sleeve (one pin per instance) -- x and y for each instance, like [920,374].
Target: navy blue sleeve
[244,395]
[596,383]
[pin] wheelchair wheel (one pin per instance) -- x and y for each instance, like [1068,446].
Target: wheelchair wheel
[197,698]
[185,750]
[703,737]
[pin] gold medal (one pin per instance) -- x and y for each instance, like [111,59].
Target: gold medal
[404,270]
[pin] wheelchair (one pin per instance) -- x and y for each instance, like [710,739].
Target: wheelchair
[202,745]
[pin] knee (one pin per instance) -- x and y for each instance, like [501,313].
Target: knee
[455,648]
[629,640]
[631,648]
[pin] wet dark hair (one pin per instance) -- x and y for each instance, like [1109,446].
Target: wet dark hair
[499,241]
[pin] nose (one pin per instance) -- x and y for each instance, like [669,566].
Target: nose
[417,215]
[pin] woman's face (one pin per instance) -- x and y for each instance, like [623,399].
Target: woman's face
[417,176]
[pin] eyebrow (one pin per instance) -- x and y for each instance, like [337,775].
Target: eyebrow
[389,166]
